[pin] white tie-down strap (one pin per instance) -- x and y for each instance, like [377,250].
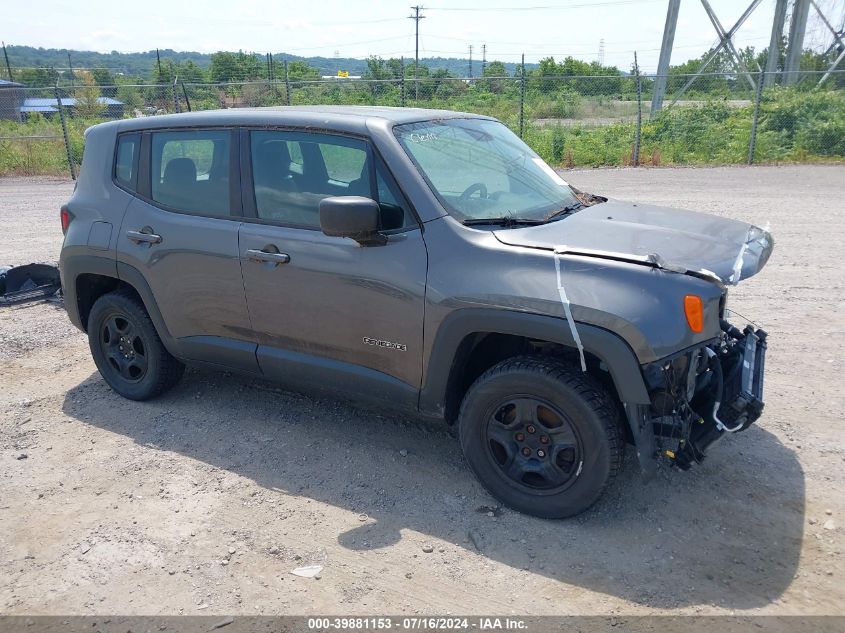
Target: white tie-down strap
[567,310]
[737,269]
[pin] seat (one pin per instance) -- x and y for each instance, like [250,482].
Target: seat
[271,166]
[178,184]
[179,172]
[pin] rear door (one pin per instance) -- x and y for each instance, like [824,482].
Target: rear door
[326,311]
[180,233]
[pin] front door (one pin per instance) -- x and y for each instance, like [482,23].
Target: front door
[181,234]
[330,314]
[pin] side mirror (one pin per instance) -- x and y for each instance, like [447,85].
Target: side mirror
[352,216]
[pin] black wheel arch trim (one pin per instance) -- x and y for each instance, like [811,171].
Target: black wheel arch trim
[70,268]
[608,347]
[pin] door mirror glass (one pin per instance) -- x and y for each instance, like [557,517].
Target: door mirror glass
[351,216]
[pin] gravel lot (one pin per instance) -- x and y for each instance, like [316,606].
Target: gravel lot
[204,500]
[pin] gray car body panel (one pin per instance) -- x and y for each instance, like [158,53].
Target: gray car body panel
[626,269]
[696,241]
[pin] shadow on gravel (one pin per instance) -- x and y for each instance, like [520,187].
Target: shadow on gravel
[727,533]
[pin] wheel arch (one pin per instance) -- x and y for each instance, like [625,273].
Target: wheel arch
[471,340]
[85,278]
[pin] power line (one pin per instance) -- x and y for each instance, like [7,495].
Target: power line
[545,7]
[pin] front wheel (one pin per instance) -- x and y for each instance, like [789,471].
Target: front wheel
[127,349]
[541,436]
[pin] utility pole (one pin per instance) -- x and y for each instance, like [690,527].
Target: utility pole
[665,56]
[795,45]
[483,58]
[8,66]
[70,66]
[470,61]
[774,43]
[158,62]
[416,18]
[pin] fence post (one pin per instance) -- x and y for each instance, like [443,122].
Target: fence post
[522,98]
[402,81]
[64,132]
[638,136]
[287,82]
[175,96]
[185,92]
[753,142]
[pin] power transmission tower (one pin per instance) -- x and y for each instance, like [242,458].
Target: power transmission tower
[470,61]
[795,45]
[665,55]
[775,42]
[416,18]
[483,58]
[601,52]
[838,43]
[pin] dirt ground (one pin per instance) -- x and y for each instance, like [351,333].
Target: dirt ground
[204,500]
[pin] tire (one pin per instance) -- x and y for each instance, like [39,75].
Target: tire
[127,349]
[541,436]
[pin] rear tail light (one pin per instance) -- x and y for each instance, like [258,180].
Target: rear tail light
[66,218]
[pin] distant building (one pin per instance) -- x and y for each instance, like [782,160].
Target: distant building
[46,106]
[11,99]
[16,106]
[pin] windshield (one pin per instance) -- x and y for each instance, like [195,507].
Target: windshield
[479,169]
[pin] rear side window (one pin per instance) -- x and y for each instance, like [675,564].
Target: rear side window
[126,161]
[189,170]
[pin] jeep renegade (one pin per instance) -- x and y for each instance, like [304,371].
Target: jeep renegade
[421,260]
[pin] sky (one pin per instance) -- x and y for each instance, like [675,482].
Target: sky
[539,28]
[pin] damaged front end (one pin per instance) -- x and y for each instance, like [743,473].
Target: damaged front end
[700,395]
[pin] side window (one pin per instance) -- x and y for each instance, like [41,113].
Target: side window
[190,170]
[126,161]
[293,171]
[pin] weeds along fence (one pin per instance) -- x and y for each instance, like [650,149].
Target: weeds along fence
[571,121]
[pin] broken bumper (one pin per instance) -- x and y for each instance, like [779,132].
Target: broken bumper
[700,396]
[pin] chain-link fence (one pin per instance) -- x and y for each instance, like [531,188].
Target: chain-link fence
[570,121]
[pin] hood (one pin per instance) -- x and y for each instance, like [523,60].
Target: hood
[674,239]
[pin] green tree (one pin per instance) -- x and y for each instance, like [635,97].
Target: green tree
[231,67]
[493,77]
[105,79]
[88,104]
[301,71]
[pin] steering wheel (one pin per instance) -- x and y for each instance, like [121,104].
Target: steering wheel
[480,187]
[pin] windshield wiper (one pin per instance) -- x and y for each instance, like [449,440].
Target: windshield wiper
[570,208]
[504,221]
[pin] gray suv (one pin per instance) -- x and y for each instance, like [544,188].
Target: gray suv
[421,260]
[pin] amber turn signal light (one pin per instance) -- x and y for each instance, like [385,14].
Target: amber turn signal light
[694,311]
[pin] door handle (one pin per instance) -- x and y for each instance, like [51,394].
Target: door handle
[144,236]
[263,256]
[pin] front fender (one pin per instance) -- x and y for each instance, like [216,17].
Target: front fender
[611,349]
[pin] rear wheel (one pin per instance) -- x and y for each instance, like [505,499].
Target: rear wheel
[127,349]
[541,436]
